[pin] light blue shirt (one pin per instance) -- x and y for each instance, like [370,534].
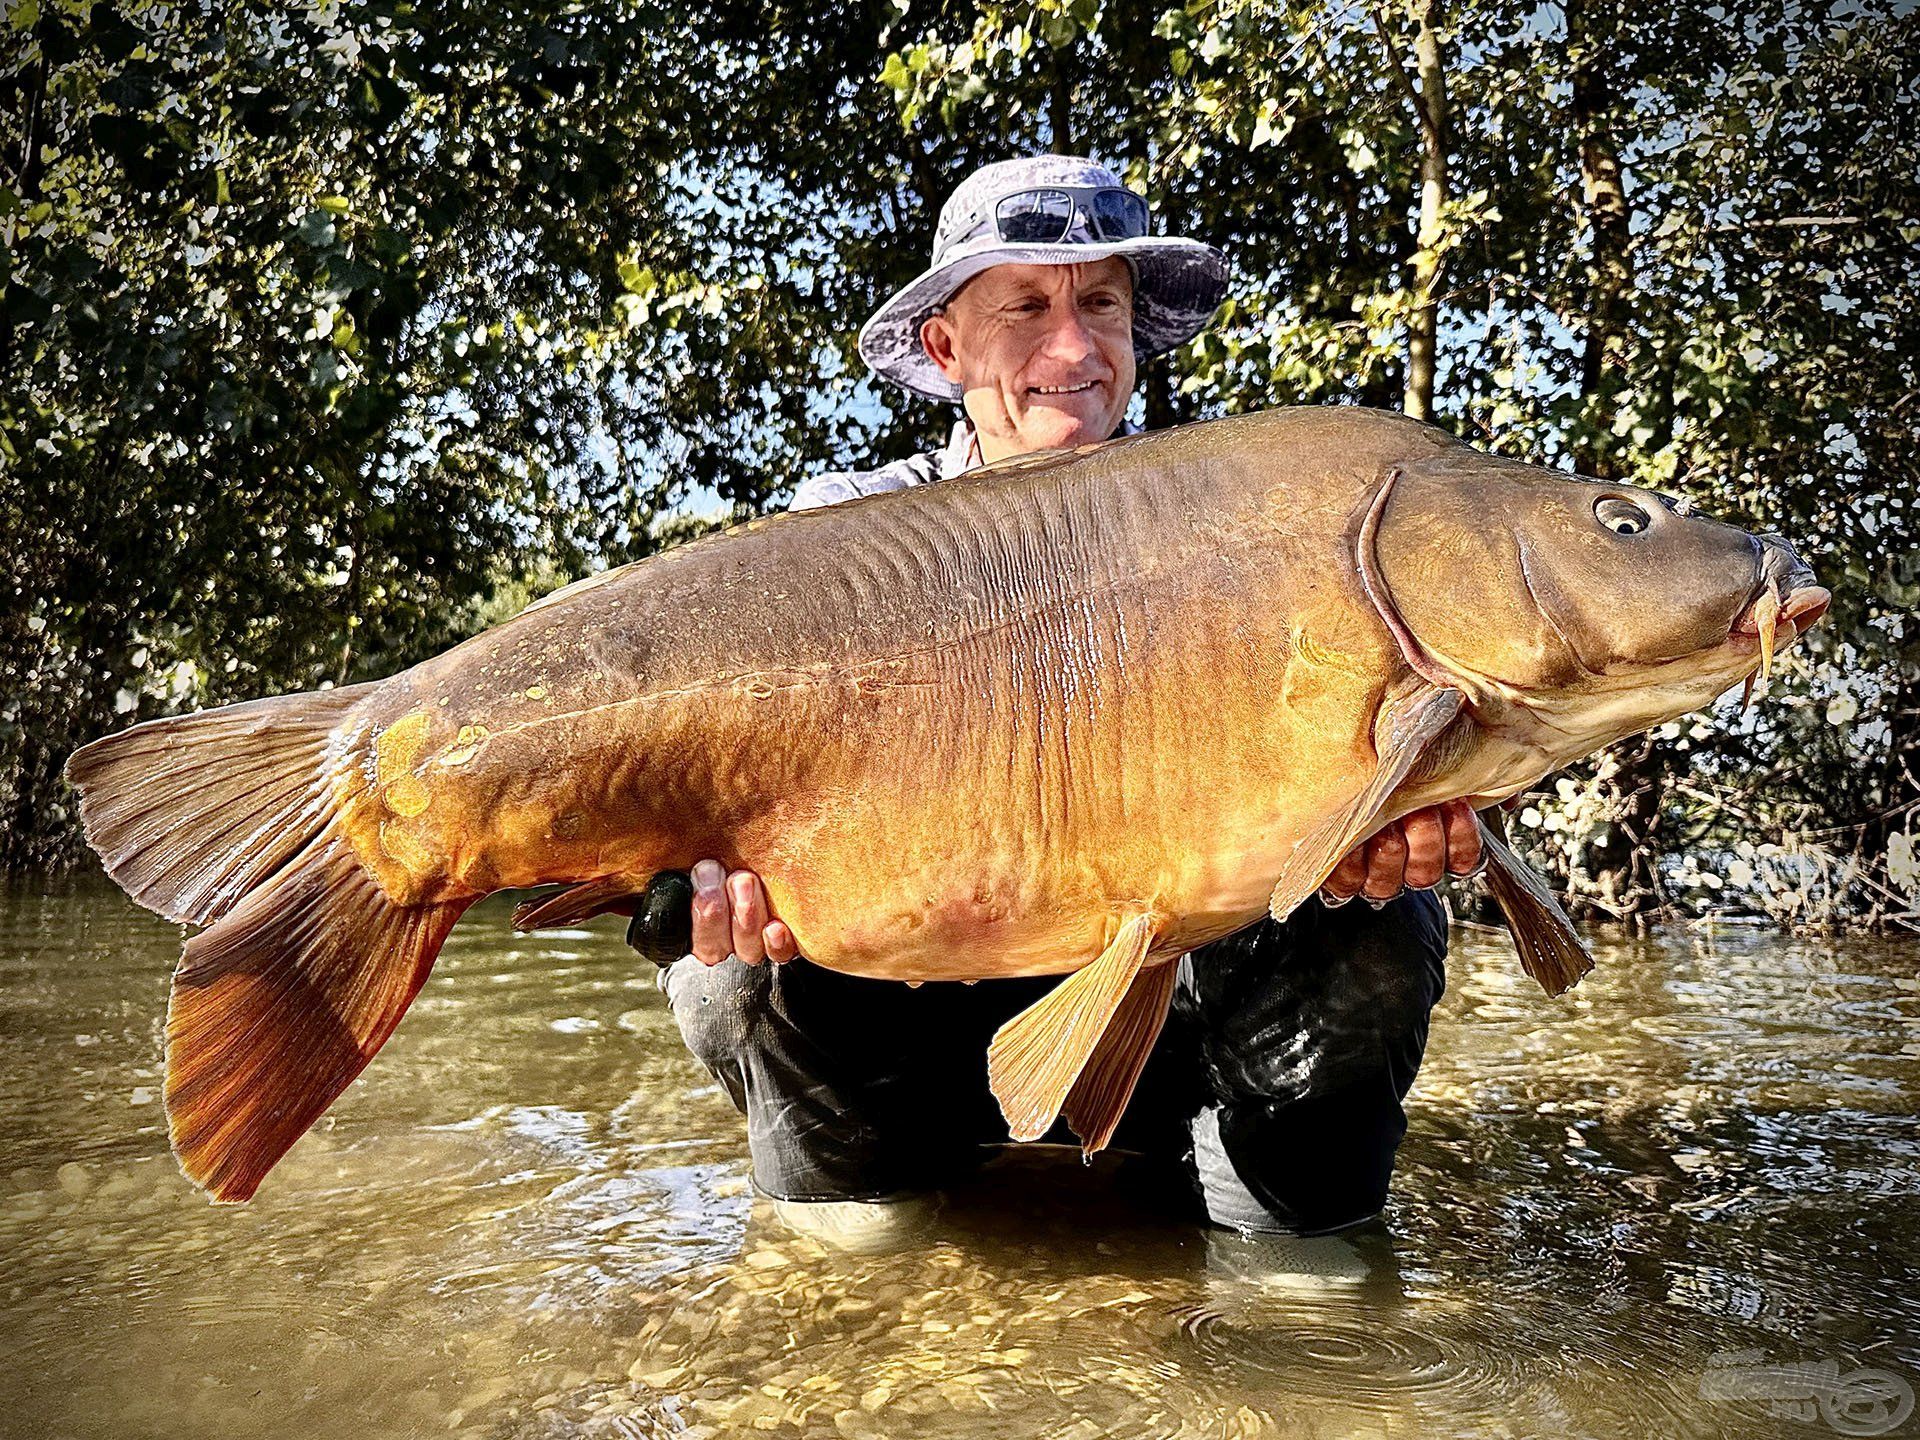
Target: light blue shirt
[960,454]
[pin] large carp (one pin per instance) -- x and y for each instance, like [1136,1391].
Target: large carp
[1075,714]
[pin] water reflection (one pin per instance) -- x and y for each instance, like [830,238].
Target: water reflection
[531,1218]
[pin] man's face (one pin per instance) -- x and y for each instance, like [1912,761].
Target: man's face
[1043,353]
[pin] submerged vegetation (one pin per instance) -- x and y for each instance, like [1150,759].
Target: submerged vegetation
[335,332]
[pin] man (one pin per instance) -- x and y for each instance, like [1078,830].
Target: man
[1276,1085]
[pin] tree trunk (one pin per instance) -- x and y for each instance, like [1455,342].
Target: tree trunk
[1430,104]
[1060,104]
[1608,219]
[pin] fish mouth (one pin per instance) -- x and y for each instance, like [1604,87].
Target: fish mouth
[1803,608]
[1762,623]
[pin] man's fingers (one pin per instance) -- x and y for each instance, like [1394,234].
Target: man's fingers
[749,915]
[1426,835]
[781,946]
[1463,837]
[1414,852]
[1386,864]
[712,934]
[1347,877]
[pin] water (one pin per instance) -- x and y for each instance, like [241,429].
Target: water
[531,1218]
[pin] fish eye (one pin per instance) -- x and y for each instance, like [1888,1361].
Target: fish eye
[1621,515]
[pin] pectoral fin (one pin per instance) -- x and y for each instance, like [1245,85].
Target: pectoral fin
[1036,1057]
[1405,728]
[1099,1097]
[1551,950]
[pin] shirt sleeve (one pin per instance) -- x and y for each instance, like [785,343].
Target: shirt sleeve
[838,485]
[829,489]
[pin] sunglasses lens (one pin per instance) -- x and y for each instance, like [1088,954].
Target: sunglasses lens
[1034,217]
[1119,215]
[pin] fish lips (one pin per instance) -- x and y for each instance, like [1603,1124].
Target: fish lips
[1787,586]
[1758,627]
[1804,607]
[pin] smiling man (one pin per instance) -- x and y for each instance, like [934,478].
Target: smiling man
[1031,383]
[1275,1089]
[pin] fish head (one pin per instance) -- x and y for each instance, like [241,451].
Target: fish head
[1594,608]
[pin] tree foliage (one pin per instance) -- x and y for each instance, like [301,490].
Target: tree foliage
[335,331]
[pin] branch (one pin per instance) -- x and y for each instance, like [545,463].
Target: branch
[1399,71]
[1798,222]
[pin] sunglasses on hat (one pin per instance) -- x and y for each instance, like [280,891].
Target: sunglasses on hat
[1045,216]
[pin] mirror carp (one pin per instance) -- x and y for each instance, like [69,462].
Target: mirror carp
[1073,714]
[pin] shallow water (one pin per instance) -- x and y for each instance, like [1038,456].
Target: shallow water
[1630,1212]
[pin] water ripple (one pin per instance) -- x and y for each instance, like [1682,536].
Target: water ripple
[531,1217]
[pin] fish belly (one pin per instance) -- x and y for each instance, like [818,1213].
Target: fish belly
[1004,819]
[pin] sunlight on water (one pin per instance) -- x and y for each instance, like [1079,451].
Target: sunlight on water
[1621,1213]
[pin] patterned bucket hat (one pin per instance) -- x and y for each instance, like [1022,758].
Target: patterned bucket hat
[1060,210]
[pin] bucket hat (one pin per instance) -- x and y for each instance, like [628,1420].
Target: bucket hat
[1178,283]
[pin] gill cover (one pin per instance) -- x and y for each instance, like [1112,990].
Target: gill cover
[1506,574]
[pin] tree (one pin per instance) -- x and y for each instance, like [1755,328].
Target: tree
[332,334]
[323,325]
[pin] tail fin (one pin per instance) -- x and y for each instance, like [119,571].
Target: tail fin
[279,1006]
[190,813]
[228,817]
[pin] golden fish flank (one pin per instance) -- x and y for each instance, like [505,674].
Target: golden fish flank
[402,846]
[399,743]
[401,789]
[1331,617]
[1309,649]
[399,795]
[408,796]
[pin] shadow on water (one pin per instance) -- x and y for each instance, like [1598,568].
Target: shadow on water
[1683,1201]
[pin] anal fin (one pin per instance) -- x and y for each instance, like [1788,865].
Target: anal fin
[580,902]
[1099,1097]
[1036,1057]
[1551,950]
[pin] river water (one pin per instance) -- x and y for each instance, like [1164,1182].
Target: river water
[1683,1201]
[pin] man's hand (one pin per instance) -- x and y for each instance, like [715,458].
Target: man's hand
[1412,853]
[731,916]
